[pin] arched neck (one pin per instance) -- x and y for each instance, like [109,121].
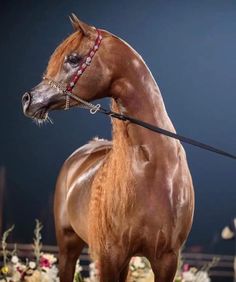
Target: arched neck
[137,94]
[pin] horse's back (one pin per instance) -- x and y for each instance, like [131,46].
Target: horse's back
[74,182]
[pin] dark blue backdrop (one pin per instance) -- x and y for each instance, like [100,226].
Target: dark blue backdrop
[190,48]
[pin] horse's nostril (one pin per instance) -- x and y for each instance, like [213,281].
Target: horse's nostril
[26,98]
[26,101]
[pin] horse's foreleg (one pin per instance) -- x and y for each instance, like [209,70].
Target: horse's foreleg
[165,267]
[124,273]
[70,248]
[113,268]
[108,271]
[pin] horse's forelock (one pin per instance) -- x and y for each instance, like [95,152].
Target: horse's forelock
[70,44]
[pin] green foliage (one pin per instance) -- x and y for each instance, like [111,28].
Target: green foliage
[78,277]
[5,252]
[37,241]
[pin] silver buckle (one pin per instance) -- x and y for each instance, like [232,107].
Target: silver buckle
[95,109]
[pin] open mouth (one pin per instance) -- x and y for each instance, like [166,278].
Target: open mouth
[41,116]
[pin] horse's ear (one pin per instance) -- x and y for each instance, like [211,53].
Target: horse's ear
[79,25]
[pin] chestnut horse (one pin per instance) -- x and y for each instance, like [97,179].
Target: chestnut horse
[132,196]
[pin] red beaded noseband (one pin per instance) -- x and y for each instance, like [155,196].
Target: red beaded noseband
[86,62]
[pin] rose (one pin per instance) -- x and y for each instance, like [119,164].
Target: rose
[44,262]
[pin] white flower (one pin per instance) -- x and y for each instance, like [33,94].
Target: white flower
[193,270]
[94,271]
[202,276]
[132,267]
[52,273]
[78,266]
[14,259]
[138,262]
[135,274]
[92,265]
[188,276]
[32,265]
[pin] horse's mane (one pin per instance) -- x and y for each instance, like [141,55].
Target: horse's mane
[112,190]
[70,44]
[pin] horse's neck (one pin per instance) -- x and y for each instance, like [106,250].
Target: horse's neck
[138,95]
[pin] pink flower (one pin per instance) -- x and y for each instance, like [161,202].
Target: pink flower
[44,262]
[186,267]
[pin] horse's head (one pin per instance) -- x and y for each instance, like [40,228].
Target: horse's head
[78,57]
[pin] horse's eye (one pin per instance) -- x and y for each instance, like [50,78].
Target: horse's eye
[73,59]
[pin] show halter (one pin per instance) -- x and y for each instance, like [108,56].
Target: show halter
[97,108]
[68,91]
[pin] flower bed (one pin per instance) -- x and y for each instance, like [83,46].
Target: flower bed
[140,271]
[43,268]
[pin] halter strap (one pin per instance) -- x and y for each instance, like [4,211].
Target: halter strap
[84,104]
[87,61]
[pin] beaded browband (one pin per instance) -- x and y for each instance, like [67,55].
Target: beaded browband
[86,62]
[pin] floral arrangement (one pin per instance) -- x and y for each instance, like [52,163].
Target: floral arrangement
[140,271]
[43,267]
[185,273]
